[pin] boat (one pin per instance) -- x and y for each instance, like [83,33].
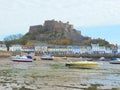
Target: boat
[47,57]
[18,58]
[82,64]
[115,61]
[102,58]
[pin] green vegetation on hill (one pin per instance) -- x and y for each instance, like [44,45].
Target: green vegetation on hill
[54,32]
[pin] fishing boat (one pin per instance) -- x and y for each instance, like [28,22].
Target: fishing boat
[47,57]
[18,58]
[115,61]
[82,64]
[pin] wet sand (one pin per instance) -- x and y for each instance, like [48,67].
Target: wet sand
[53,75]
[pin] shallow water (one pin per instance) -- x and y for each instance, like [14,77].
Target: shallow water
[107,75]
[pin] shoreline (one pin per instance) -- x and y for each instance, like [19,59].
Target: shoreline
[53,75]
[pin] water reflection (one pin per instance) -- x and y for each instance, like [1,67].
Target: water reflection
[107,75]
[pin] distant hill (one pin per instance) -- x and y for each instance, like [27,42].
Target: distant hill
[57,32]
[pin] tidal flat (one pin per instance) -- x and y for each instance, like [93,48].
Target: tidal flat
[54,75]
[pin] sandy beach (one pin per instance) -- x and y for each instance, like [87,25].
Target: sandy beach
[53,75]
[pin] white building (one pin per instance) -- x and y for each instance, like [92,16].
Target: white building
[76,49]
[118,49]
[70,50]
[89,49]
[96,49]
[41,48]
[57,49]
[108,51]
[15,47]
[3,47]
[102,49]
[83,49]
[28,49]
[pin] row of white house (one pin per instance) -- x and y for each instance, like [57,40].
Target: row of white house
[62,49]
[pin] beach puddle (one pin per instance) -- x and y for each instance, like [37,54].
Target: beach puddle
[112,80]
[107,76]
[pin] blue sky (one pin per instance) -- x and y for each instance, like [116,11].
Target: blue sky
[109,33]
[95,18]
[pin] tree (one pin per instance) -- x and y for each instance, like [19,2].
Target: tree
[64,42]
[29,44]
[12,39]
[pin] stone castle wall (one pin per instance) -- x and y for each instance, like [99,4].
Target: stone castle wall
[52,25]
[35,28]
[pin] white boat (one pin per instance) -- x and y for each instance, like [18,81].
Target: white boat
[82,64]
[47,57]
[18,58]
[102,58]
[115,61]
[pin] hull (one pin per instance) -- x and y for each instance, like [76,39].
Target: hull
[22,60]
[115,62]
[82,64]
[46,57]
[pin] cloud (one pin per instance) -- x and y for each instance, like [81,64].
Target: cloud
[78,12]
[18,15]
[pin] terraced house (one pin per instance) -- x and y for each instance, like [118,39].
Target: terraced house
[41,48]
[96,49]
[15,47]
[56,49]
[3,46]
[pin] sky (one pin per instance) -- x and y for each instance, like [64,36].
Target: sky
[94,18]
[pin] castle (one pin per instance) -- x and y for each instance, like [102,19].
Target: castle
[52,25]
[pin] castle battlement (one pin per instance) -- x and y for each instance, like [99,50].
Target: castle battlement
[52,25]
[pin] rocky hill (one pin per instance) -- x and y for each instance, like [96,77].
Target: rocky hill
[57,32]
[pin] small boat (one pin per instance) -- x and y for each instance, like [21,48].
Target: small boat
[115,61]
[47,57]
[102,58]
[82,64]
[18,58]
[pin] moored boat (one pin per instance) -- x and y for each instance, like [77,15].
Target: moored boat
[47,57]
[102,58]
[82,64]
[18,58]
[115,61]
